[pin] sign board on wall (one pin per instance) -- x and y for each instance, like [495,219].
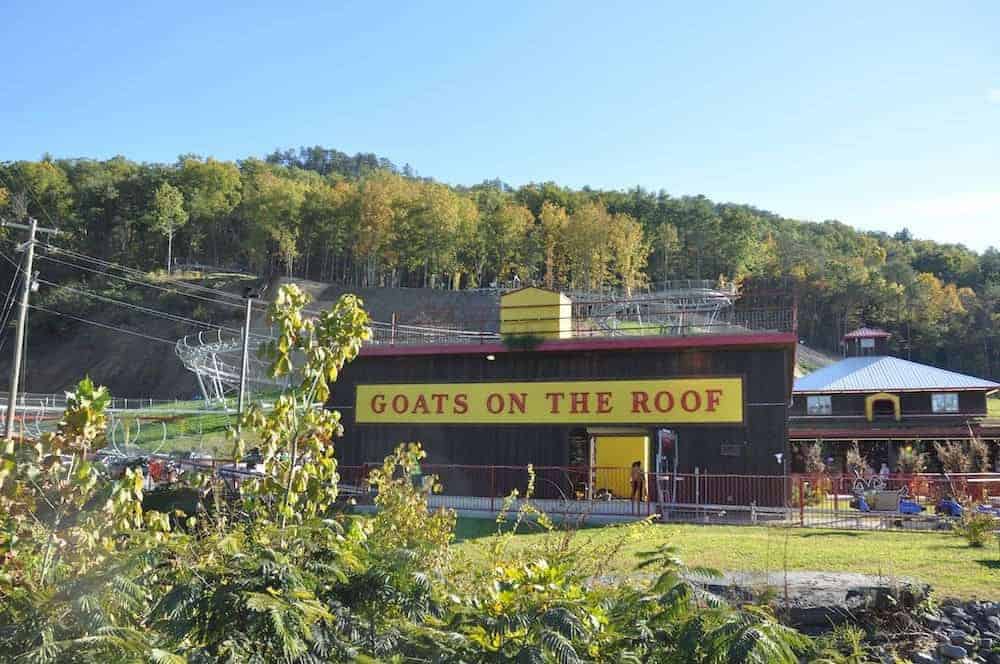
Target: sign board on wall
[669,401]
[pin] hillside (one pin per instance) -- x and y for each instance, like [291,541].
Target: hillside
[123,347]
[127,350]
[324,216]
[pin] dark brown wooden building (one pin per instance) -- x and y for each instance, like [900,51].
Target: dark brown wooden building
[883,402]
[725,398]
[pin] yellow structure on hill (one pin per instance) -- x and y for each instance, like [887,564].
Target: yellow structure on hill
[536,311]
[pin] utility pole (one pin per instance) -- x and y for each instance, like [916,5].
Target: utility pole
[250,294]
[22,318]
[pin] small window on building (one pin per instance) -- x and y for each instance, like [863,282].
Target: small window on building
[944,402]
[819,405]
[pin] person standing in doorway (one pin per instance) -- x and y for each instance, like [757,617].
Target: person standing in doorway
[637,485]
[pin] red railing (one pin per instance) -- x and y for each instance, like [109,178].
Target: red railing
[922,502]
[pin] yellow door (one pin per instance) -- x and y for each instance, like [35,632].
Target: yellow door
[613,459]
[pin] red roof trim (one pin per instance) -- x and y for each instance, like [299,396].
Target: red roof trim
[578,345]
[893,390]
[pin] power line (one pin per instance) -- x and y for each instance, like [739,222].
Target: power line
[137,282]
[8,306]
[152,312]
[107,327]
[22,319]
[139,274]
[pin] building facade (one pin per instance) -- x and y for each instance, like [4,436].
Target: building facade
[598,402]
[882,402]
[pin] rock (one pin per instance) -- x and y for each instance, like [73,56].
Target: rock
[994,623]
[957,636]
[931,620]
[952,651]
[986,643]
[923,658]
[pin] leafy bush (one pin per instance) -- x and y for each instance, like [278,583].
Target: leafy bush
[522,341]
[812,457]
[812,491]
[975,527]
[910,461]
[844,645]
[857,462]
[953,456]
[979,452]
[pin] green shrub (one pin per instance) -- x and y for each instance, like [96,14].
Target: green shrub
[975,527]
[522,341]
[811,492]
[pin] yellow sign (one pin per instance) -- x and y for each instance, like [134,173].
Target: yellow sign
[673,401]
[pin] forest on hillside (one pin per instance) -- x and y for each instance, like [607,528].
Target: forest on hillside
[362,221]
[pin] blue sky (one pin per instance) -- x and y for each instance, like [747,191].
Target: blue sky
[882,115]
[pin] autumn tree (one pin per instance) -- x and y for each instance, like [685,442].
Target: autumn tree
[553,221]
[588,246]
[629,252]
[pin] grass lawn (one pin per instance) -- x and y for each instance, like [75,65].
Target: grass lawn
[944,561]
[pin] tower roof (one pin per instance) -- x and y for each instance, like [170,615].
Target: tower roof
[867,333]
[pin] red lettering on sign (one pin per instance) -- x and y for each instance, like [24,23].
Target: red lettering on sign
[690,401]
[518,401]
[604,402]
[639,404]
[378,403]
[554,398]
[713,398]
[579,402]
[494,403]
[664,401]
[439,400]
[461,405]
[400,404]
[420,405]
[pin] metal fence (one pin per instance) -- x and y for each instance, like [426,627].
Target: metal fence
[901,502]
[918,503]
[912,502]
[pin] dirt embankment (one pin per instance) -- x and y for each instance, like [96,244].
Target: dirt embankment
[62,350]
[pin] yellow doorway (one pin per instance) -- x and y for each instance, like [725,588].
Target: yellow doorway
[613,459]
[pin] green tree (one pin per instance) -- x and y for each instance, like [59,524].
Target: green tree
[272,205]
[212,190]
[169,215]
